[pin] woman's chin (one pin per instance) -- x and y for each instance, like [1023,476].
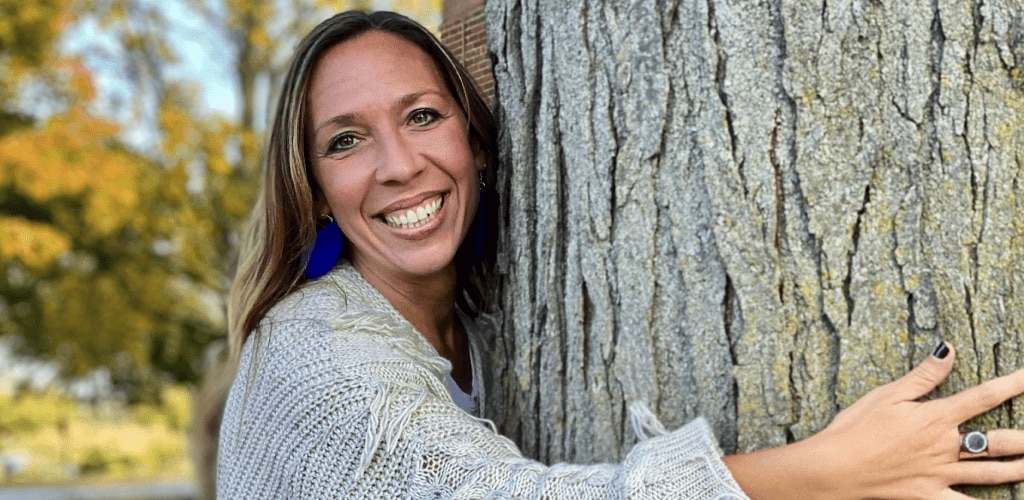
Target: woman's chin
[412,265]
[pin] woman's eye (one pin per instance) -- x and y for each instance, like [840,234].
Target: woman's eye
[422,117]
[342,142]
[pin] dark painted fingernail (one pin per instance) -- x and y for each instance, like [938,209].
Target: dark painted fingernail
[941,351]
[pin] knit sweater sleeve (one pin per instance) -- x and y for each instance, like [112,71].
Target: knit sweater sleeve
[461,459]
[322,411]
[337,396]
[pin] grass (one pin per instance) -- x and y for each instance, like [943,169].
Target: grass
[50,438]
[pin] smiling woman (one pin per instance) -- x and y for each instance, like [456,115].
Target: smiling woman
[393,161]
[368,381]
[391,156]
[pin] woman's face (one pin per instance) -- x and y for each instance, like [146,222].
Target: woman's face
[391,153]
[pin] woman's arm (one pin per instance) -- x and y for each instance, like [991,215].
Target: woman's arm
[332,413]
[328,414]
[890,445]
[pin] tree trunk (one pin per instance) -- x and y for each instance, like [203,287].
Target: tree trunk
[754,211]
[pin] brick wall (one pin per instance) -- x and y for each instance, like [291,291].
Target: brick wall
[464,33]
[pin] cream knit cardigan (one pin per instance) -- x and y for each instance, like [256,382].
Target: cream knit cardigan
[337,396]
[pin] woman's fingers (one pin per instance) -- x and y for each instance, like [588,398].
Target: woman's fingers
[1001,443]
[949,494]
[988,472]
[985,396]
[927,375]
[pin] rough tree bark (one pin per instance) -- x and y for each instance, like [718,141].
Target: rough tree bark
[754,211]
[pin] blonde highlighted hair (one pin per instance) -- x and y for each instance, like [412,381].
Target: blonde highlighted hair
[282,227]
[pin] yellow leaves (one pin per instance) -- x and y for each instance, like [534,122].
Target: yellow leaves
[29,26]
[177,407]
[189,138]
[237,200]
[180,133]
[259,39]
[203,174]
[112,212]
[340,5]
[73,157]
[103,307]
[30,13]
[77,78]
[35,245]
[251,18]
[219,165]
[125,254]
[44,163]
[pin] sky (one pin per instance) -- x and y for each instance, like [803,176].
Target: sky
[203,60]
[205,57]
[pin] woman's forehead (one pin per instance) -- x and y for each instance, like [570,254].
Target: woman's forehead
[371,70]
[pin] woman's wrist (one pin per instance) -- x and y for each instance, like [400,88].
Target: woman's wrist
[798,470]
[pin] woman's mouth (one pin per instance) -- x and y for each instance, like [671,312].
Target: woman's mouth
[414,217]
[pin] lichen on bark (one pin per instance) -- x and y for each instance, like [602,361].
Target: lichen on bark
[751,211]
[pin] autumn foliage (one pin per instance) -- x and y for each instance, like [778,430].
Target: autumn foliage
[115,250]
[112,255]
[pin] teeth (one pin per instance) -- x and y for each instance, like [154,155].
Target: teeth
[412,218]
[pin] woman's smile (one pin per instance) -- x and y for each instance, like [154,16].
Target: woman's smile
[392,156]
[415,217]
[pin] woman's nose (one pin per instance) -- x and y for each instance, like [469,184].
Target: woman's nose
[398,160]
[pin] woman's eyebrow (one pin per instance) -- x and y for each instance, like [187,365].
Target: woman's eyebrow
[346,118]
[340,120]
[410,98]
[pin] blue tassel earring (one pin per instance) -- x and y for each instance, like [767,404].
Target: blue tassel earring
[326,250]
[478,241]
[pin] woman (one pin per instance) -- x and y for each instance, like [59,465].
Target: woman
[359,375]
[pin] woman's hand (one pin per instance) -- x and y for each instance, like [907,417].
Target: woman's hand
[890,445]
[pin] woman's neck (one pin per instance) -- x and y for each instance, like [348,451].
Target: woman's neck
[426,302]
[429,304]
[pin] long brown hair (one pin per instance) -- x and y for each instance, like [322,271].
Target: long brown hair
[282,227]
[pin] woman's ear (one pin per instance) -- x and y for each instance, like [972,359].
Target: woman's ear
[322,210]
[479,158]
[320,206]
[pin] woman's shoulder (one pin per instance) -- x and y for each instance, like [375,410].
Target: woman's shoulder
[310,372]
[341,321]
[341,290]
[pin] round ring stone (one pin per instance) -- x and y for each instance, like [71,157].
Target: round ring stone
[974,442]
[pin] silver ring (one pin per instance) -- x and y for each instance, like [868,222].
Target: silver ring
[974,442]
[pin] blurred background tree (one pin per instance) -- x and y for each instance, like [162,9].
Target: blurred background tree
[121,192]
